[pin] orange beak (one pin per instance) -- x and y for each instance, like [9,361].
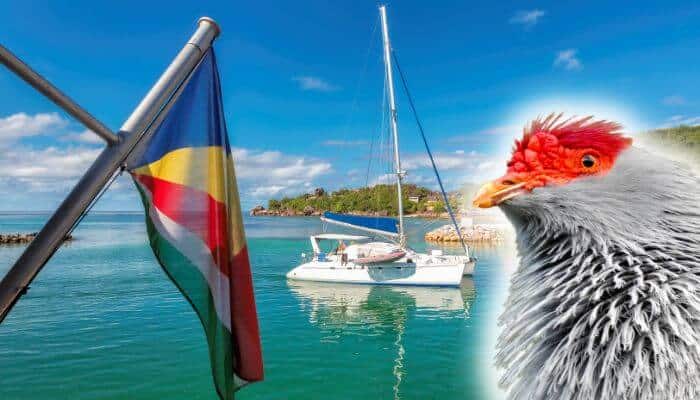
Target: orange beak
[498,191]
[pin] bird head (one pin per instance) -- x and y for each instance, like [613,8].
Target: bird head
[608,237]
[555,152]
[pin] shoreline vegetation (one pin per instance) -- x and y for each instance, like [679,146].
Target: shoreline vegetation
[378,200]
[683,142]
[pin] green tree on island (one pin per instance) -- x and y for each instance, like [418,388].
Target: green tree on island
[378,200]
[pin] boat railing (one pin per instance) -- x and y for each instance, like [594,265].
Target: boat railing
[316,256]
[307,257]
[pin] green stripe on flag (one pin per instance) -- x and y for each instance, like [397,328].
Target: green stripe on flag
[195,289]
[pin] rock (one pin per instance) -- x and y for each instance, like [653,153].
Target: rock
[308,210]
[473,234]
[258,210]
[22,238]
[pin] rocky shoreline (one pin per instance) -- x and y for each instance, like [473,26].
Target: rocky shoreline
[260,211]
[22,238]
[471,234]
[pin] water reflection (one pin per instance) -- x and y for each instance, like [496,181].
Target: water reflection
[340,310]
[364,309]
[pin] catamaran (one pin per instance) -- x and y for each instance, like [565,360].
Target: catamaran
[364,259]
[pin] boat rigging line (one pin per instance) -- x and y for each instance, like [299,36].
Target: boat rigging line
[427,148]
[360,82]
[382,126]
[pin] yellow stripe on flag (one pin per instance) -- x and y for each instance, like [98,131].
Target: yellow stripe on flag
[201,168]
[234,211]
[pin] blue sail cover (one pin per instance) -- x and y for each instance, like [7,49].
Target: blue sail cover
[382,225]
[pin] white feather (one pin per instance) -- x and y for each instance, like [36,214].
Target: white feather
[606,301]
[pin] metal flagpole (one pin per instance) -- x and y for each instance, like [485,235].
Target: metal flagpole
[47,241]
[394,127]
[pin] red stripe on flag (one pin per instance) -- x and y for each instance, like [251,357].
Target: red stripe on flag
[199,213]
[244,320]
[195,210]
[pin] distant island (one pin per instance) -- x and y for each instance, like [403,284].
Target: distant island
[377,200]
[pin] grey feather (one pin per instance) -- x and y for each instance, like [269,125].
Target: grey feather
[605,303]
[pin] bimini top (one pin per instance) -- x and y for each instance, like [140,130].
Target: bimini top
[338,236]
[381,225]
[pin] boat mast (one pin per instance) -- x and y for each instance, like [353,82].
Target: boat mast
[392,113]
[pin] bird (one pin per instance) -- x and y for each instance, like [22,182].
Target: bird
[605,300]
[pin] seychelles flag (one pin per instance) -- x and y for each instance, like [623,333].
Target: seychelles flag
[186,179]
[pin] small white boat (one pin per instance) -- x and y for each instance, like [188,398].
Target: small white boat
[357,259]
[346,263]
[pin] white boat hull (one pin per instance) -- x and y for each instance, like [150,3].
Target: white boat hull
[427,271]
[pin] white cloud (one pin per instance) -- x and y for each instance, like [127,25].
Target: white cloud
[482,166]
[87,136]
[264,174]
[45,170]
[568,60]
[678,120]
[266,191]
[50,172]
[528,18]
[483,135]
[31,177]
[454,167]
[444,161]
[344,143]
[251,164]
[690,121]
[383,179]
[53,170]
[314,83]
[674,100]
[20,125]
[51,162]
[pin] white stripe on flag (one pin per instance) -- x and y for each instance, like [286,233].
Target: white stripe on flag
[192,247]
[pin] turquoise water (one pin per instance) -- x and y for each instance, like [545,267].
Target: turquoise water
[102,321]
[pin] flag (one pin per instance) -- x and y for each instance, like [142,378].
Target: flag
[187,183]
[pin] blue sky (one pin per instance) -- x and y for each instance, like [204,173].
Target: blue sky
[302,82]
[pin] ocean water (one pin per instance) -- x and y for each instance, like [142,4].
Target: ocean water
[102,321]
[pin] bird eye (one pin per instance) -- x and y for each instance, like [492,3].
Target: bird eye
[588,161]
